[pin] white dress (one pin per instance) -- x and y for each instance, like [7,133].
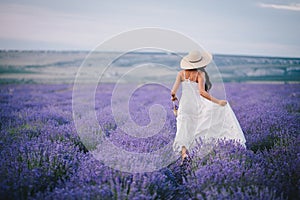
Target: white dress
[201,118]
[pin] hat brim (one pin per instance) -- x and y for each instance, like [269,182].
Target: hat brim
[186,64]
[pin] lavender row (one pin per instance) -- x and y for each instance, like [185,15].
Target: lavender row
[42,156]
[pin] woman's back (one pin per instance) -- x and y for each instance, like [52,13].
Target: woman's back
[190,104]
[191,75]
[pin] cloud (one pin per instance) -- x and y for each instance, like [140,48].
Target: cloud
[291,7]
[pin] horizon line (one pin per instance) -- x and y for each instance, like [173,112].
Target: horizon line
[108,51]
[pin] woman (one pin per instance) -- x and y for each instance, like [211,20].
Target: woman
[200,115]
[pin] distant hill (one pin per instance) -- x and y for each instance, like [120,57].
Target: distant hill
[62,66]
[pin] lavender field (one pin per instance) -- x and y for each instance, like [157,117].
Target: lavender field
[43,157]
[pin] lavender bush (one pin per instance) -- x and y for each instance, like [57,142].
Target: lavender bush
[42,156]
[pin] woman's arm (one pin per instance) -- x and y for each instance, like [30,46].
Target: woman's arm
[176,86]
[201,86]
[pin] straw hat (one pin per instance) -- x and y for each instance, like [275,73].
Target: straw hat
[195,59]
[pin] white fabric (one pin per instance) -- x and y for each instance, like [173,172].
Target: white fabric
[201,118]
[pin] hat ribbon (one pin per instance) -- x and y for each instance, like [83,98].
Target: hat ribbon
[196,60]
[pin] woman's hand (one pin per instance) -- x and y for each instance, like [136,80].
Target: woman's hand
[222,102]
[174,98]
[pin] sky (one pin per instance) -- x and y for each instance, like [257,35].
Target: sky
[248,27]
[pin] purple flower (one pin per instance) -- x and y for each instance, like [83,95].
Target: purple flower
[42,156]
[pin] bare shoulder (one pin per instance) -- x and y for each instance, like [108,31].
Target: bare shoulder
[201,74]
[180,75]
